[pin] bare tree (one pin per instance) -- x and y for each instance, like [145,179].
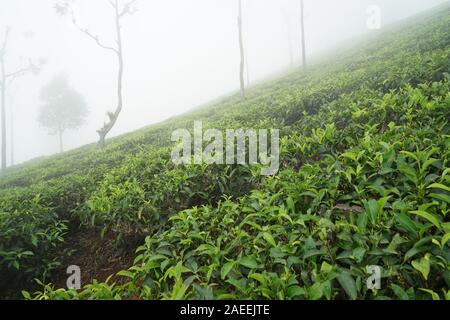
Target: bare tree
[303,34]
[241,46]
[6,78]
[120,11]
[247,67]
[11,133]
[289,38]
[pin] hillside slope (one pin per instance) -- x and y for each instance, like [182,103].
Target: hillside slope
[365,181]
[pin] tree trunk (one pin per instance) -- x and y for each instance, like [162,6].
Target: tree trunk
[289,39]
[114,116]
[60,136]
[12,135]
[291,54]
[247,67]
[303,35]
[241,46]
[3,110]
[291,49]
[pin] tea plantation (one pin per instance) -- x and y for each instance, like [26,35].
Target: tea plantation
[364,181]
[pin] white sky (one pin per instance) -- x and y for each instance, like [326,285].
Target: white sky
[178,54]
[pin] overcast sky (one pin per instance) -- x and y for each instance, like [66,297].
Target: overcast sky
[178,54]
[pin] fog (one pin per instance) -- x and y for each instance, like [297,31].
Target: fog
[178,54]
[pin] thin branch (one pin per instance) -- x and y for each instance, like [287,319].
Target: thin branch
[67,9]
[113,4]
[5,42]
[18,73]
[127,8]
[97,40]
[2,58]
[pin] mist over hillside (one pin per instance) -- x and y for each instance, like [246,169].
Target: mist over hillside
[194,155]
[179,54]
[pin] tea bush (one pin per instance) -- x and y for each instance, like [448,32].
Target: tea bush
[364,181]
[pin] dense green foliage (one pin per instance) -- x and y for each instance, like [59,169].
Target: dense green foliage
[365,180]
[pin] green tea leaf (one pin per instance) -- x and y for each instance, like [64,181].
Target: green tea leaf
[439,186]
[249,262]
[348,284]
[433,294]
[270,240]
[399,292]
[227,267]
[406,222]
[423,266]
[296,291]
[445,239]
[258,277]
[428,216]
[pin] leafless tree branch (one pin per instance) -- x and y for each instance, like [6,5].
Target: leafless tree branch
[97,40]
[65,9]
[18,73]
[128,8]
[5,42]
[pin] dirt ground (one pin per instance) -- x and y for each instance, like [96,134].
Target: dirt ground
[97,258]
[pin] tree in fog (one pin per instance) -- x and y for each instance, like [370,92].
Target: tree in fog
[120,11]
[289,38]
[62,108]
[247,67]
[303,34]
[241,47]
[6,79]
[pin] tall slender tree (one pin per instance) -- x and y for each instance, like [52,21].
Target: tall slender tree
[11,133]
[242,51]
[120,11]
[289,38]
[302,5]
[3,96]
[6,78]
[247,67]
